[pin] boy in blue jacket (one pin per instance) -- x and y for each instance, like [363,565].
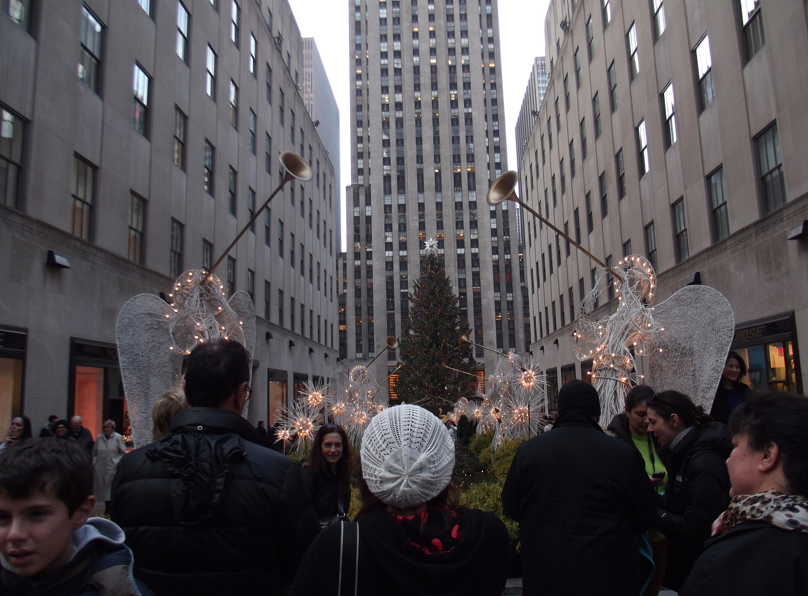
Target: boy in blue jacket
[48,546]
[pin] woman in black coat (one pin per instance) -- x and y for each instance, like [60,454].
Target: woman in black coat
[327,473]
[762,540]
[731,391]
[698,485]
[409,539]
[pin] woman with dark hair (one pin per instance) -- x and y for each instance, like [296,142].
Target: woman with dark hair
[327,474]
[731,391]
[632,427]
[697,490]
[762,540]
[19,431]
[409,538]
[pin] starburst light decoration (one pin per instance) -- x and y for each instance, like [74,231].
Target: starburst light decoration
[300,421]
[431,247]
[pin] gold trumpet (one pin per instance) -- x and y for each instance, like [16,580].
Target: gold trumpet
[465,342]
[295,167]
[392,343]
[504,189]
[444,366]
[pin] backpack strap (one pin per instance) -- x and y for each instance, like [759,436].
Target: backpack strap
[346,566]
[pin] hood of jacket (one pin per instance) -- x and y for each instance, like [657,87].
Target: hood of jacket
[101,562]
[711,438]
[479,564]
[203,445]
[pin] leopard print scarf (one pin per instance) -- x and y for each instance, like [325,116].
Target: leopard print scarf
[789,512]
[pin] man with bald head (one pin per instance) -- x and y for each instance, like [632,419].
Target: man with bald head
[83,436]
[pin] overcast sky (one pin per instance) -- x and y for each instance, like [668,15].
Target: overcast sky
[521,40]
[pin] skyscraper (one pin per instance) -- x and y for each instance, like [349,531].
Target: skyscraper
[531,102]
[426,141]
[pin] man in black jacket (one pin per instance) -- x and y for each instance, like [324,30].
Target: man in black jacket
[580,498]
[208,510]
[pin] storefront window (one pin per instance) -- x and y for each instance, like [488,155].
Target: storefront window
[12,366]
[277,389]
[769,350]
[567,374]
[300,384]
[586,371]
[552,389]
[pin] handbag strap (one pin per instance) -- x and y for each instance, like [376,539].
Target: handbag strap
[343,560]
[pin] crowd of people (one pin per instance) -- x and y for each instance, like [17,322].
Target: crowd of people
[666,496]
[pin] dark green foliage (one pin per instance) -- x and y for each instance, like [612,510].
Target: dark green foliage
[436,327]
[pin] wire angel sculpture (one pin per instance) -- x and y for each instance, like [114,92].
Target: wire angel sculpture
[154,337]
[685,339]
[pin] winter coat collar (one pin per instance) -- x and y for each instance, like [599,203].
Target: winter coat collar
[101,563]
[214,421]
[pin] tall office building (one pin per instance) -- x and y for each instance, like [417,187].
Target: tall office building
[529,112]
[426,140]
[138,138]
[324,113]
[671,130]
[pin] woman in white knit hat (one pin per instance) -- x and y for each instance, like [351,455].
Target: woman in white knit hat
[409,537]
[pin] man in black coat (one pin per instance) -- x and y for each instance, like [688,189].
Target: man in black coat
[580,498]
[208,510]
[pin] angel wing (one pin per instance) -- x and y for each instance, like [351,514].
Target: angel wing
[689,355]
[150,365]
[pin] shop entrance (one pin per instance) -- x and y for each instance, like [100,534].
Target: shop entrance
[12,375]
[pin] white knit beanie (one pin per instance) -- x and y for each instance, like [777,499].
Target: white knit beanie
[407,456]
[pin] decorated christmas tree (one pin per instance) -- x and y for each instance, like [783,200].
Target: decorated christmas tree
[430,348]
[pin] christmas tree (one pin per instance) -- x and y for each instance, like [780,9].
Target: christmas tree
[430,349]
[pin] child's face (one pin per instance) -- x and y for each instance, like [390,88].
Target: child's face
[36,533]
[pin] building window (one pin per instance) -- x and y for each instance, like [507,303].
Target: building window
[268,155]
[609,278]
[12,131]
[621,174]
[145,5]
[681,247]
[577,62]
[566,93]
[590,224]
[269,84]
[650,245]
[590,38]
[642,144]
[81,203]
[252,132]
[267,306]
[175,256]
[604,198]
[718,204]
[280,106]
[572,159]
[583,138]
[771,169]
[20,12]
[627,248]
[137,225]
[752,21]
[280,308]
[669,108]
[280,238]
[704,64]
[267,213]
[251,284]
[180,121]
[90,49]
[253,50]
[633,54]
[251,208]
[207,255]
[209,155]
[233,104]
[659,18]
[231,276]
[292,251]
[182,32]
[577,223]
[235,18]
[141,110]
[231,190]
[210,76]
[607,13]
[596,112]
[612,87]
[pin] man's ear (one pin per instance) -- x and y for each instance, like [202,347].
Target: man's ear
[81,514]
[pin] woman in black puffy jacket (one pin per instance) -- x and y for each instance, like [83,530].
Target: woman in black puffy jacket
[327,474]
[698,484]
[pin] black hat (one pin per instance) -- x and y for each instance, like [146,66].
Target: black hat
[579,396]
